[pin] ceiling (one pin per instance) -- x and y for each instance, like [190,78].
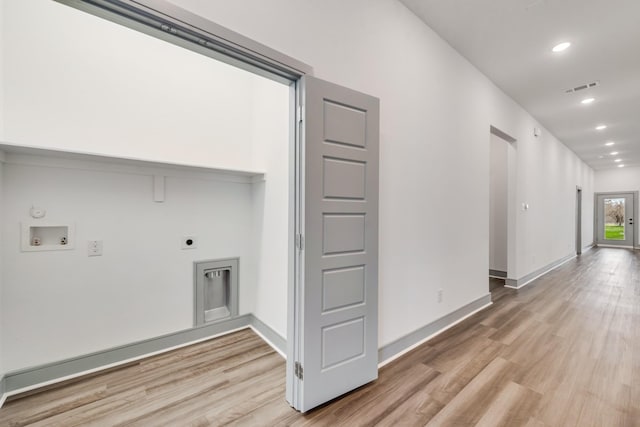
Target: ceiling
[510,41]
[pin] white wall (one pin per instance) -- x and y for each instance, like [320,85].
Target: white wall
[548,173]
[62,304]
[618,180]
[271,203]
[2,323]
[436,110]
[75,82]
[498,200]
[2,107]
[2,370]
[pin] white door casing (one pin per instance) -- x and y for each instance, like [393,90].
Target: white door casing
[336,322]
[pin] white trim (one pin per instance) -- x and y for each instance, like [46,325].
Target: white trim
[268,341]
[247,321]
[3,395]
[520,286]
[588,248]
[396,348]
[419,343]
[171,23]
[120,362]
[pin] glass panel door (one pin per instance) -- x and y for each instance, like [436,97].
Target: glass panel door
[614,219]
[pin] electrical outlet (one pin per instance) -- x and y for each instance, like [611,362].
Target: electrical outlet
[94,248]
[189,242]
[440,295]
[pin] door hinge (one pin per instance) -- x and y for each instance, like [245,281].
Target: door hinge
[300,113]
[298,370]
[300,241]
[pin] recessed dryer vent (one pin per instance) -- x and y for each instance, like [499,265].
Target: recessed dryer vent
[215,290]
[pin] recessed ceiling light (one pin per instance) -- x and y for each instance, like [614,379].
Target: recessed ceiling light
[601,127]
[613,153]
[609,144]
[587,101]
[620,166]
[560,47]
[617,160]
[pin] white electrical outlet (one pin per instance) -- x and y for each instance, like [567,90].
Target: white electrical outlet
[189,242]
[440,295]
[94,248]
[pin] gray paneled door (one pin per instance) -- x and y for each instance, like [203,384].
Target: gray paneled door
[614,219]
[336,324]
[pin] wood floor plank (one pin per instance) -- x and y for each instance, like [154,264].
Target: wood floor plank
[417,410]
[563,351]
[512,407]
[93,413]
[470,404]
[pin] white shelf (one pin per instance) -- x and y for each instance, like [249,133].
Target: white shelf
[38,156]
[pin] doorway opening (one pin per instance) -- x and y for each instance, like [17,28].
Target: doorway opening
[501,199]
[578,220]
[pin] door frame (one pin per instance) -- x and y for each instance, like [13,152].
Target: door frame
[634,243]
[171,23]
[578,220]
[168,22]
[511,202]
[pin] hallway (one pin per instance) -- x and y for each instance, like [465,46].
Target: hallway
[563,351]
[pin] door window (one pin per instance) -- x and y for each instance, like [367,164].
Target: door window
[614,218]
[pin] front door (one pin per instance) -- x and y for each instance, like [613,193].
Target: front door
[614,219]
[336,318]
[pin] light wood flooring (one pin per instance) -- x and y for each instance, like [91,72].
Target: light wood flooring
[563,351]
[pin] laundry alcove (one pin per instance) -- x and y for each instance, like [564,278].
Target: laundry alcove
[137,147]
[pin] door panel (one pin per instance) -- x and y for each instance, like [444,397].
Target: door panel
[615,218]
[336,328]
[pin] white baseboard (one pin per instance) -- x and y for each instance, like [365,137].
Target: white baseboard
[397,348]
[39,376]
[525,280]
